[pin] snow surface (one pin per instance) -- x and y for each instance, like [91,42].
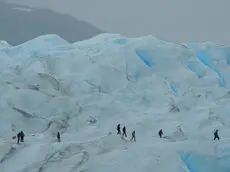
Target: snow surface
[85,89]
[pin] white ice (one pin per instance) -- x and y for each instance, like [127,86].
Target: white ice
[83,90]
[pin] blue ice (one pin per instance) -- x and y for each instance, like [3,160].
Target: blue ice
[144,57]
[202,55]
[173,88]
[202,163]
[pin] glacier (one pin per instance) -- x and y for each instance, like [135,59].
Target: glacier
[84,89]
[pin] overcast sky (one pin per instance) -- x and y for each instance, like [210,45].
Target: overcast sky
[173,20]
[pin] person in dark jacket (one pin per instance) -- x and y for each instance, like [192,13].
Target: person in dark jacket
[160,133]
[133,136]
[22,135]
[19,137]
[118,129]
[58,137]
[216,135]
[124,131]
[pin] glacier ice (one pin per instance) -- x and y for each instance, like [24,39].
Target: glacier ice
[49,85]
[215,160]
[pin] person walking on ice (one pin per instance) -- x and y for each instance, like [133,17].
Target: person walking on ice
[124,131]
[160,133]
[19,137]
[22,135]
[216,135]
[58,137]
[118,129]
[133,136]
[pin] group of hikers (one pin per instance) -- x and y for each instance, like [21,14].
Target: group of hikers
[21,135]
[160,133]
[133,138]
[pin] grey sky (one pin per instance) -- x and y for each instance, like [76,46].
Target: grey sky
[173,20]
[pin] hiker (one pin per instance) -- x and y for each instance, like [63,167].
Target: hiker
[124,131]
[118,129]
[133,136]
[19,137]
[58,137]
[160,133]
[22,135]
[216,135]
